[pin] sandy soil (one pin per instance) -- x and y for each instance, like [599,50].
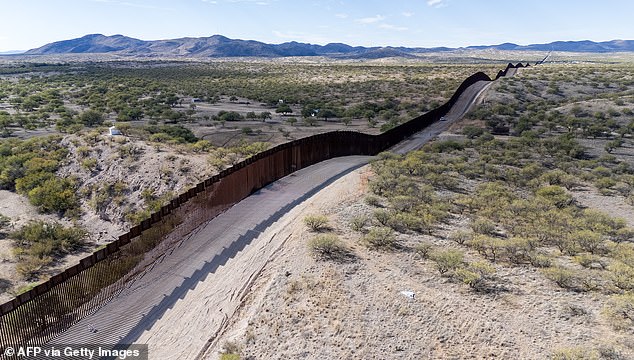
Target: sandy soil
[303,308]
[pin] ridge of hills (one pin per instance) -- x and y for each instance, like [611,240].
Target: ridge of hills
[221,46]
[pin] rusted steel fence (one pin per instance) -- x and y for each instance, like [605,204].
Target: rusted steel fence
[50,308]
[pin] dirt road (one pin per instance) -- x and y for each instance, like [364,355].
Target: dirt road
[461,107]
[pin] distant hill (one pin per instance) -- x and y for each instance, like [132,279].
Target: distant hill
[220,46]
[12,52]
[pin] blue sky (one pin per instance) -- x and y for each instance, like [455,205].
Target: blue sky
[28,24]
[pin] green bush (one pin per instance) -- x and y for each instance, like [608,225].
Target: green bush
[475,275]
[423,249]
[373,200]
[555,195]
[384,217]
[382,238]
[91,118]
[358,223]
[55,195]
[448,260]
[461,236]
[563,277]
[316,222]
[327,246]
[178,133]
[622,275]
[38,243]
[483,226]
[619,311]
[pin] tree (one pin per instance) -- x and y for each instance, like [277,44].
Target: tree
[284,109]
[54,195]
[291,120]
[327,113]
[310,121]
[251,115]
[91,118]
[265,115]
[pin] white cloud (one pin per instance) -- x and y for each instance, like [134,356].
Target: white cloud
[393,27]
[437,3]
[408,14]
[342,16]
[370,20]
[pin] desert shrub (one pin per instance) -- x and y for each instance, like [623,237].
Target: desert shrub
[517,249]
[555,195]
[316,222]
[89,164]
[91,118]
[483,226]
[605,184]
[327,246]
[38,243]
[373,200]
[563,277]
[382,238]
[540,260]
[448,260]
[403,203]
[487,246]
[560,178]
[83,151]
[475,275]
[405,221]
[601,222]
[622,275]
[619,311]
[472,132]
[461,236]
[177,133]
[588,240]
[28,266]
[591,261]
[624,234]
[423,249]
[358,223]
[54,196]
[229,357]
[384,217]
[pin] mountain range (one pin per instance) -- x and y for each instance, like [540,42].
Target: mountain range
[220,46]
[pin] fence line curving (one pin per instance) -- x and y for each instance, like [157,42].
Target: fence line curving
[52,307]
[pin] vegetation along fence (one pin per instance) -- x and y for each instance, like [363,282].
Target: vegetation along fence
[50,308]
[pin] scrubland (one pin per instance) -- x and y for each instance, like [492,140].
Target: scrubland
[509,236]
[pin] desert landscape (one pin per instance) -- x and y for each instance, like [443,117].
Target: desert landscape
[508,234]
[448,292]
